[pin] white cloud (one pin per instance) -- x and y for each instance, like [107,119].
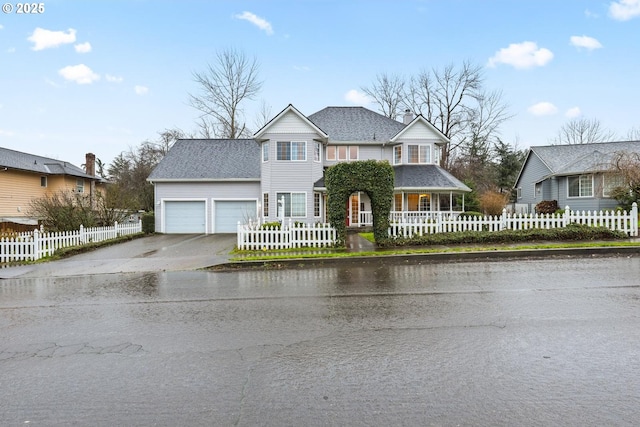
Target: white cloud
[586,42]
[522,55]
[624,10]
[301,68]
[113,79]
[543,109]
[356,97]
[4,132]
[45,39]
[1,26]
[11,50]
[573,112]
[83,47]
[81,74]
[590,14]
[141,90]
[259,22]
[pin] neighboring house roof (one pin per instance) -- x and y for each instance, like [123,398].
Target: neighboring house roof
[209,160]
[17,160]
[427,176]
[355,124]
[579,158]
[420,177]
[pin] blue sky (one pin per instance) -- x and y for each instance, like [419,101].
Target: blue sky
[103,76]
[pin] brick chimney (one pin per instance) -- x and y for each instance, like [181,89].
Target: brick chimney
[408,117]
[90,164]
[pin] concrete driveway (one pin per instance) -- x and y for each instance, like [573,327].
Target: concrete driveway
[161,252]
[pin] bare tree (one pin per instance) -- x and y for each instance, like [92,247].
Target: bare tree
[388,92]
[448,98]
[626,165]
[633,134]
[264,115]
[224,85]
[583,131]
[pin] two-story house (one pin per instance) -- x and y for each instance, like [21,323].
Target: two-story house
[207,186]
[24,177]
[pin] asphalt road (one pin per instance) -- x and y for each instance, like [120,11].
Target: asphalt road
[159,252]
[526,343]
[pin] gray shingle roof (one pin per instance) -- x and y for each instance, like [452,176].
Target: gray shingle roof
[427,176]
[578,158]
[423,177]
[210,159]
[355,124]
[37,164]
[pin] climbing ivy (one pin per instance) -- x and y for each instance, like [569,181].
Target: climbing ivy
[375,178]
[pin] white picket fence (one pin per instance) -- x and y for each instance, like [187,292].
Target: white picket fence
[254,236]
[39,244]
[620,220]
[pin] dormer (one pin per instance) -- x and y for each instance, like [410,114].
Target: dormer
[418,143]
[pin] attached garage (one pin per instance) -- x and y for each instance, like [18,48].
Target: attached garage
[185,217]
[227,213]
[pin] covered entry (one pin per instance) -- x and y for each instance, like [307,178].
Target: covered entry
[227,213]
[185,217]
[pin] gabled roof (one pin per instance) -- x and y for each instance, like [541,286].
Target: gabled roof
[289,109]
[17,160]
[431,177]
[210,160]
[420,119]
[355,124]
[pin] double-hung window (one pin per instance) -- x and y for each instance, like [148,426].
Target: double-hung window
[292,150]
[419,154]
[295,204]
[80,185]
[611,182]
[265,204]
[265,151]
[580,186]
[397,155]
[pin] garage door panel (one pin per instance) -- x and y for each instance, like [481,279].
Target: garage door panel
[228,213]
[185,217]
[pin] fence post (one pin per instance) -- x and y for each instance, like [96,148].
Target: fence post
[115,228]
[239,237]
[82,234]
[634,219]
[566,215]
[503,219]
[36,245]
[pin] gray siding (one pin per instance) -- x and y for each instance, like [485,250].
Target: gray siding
[284,176]
[597,202]
[207,191]
[534,170]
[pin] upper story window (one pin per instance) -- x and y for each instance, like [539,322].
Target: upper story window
[80,185]
[397,155]
[420,154]
[342,152]
[43,181]
[292,150]
[317,152]
[580,186]
[265,151]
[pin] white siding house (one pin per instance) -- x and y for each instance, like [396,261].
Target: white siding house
[280,172]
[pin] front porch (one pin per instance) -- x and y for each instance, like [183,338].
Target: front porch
[408,207]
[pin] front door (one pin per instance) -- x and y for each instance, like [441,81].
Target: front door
[353,210]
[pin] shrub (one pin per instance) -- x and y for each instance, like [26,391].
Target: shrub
[492,203]
[148,223]
[271,225]
[547,206]
[472,213]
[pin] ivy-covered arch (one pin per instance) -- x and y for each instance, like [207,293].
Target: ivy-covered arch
[375,178]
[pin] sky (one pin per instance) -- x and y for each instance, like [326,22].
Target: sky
[80,76]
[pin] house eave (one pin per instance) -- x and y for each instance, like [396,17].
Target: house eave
[164,180]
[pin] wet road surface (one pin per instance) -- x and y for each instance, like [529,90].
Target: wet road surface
[541,342]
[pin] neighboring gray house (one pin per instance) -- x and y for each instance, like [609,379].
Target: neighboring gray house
[207,186]
[578,175]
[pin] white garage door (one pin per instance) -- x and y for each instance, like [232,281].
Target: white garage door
[228,213]
[185,217]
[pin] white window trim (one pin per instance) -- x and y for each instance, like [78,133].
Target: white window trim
[579,188]
[427,152]
[519,193]
[80,186]
[304,150]
[265,144]
[290,193]
[397,162]
[317,150]
[604,185]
